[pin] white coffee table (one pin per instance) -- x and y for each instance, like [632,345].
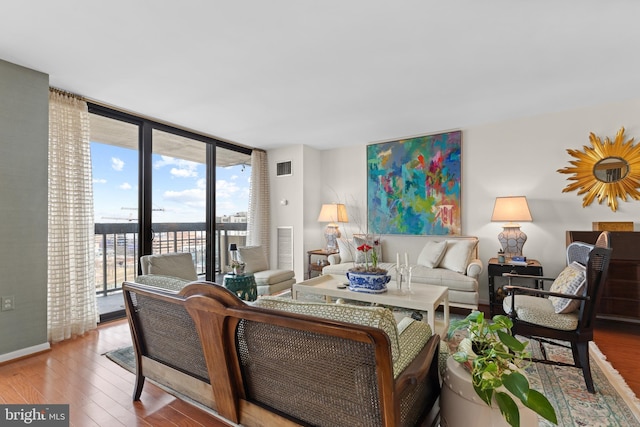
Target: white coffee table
[421,297]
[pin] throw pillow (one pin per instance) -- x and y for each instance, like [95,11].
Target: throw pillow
[370,241]
[254,258]
[432,254]
[458,254]
[346,249]
[570,281]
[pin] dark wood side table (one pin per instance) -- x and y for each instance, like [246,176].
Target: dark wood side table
[314,266]
[496,269]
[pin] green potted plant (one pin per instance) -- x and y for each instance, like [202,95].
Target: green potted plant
[495,359]
[368,277]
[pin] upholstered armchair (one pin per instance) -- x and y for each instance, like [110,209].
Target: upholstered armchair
[565,313]
[268,281]
[168,271]
[171,264]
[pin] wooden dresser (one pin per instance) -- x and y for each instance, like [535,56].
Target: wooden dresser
[621,295]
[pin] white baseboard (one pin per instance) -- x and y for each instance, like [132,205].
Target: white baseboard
[24,352]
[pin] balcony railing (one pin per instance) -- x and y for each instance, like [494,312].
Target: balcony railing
[117,248]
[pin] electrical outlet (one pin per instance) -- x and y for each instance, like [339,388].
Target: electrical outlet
[7,303]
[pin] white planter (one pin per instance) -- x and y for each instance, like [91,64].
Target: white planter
[460,405]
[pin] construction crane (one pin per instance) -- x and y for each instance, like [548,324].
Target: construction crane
[130,218]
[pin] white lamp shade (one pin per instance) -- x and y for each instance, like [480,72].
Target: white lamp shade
[334,212]
[511,209]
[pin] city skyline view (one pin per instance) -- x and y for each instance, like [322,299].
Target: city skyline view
[179,186]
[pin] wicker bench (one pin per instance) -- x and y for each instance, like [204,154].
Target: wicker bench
[276,366]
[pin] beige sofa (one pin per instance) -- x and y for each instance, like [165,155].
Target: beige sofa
[438,260]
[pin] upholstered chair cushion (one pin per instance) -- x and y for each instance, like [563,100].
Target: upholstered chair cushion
[254,258]
[413,335]
[171,264]
[458,255]
[378,317]
[570,281]
[271,277]
[160,281]
[540,311]
[432,254]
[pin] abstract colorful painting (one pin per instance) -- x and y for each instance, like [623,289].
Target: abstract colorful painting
[413,185]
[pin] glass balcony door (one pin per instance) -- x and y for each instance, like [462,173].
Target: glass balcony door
[115,160]
[233,176]
[169,190]
[179,186]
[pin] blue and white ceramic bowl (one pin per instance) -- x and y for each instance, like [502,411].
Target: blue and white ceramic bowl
[373,283]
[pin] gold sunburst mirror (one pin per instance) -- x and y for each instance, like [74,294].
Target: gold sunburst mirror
[607,169]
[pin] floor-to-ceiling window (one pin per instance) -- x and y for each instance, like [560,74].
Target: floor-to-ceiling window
[160,189]
[179,196]
[114,161]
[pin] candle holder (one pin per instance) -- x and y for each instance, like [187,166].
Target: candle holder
[409,270]
[399,276]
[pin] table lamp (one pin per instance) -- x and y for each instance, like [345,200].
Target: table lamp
[332,213]
[511,209]
[233,250]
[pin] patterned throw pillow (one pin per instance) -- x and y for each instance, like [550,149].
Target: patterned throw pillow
[371,241]
[570,281]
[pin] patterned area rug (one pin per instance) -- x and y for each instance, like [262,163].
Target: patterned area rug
[613,404]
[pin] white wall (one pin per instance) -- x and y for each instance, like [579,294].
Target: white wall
[516,157]
[296,201]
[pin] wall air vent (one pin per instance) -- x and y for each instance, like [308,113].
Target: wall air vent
[283,168]
[285,248]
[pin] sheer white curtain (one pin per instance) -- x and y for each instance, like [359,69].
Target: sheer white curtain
[71,285]
[258,219]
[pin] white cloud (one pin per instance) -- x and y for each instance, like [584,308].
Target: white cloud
[233,177]
[183,168]
[184,173]
[125,186]
[117,164]
[194,197]
[226,207]
[99,181]
[164,161]
[226,189]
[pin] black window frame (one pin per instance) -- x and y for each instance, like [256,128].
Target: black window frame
[145,168]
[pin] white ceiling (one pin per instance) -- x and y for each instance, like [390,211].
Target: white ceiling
[330,73]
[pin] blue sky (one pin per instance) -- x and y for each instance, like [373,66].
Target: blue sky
[178,187]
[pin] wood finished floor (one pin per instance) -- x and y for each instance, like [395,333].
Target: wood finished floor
[99,391]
